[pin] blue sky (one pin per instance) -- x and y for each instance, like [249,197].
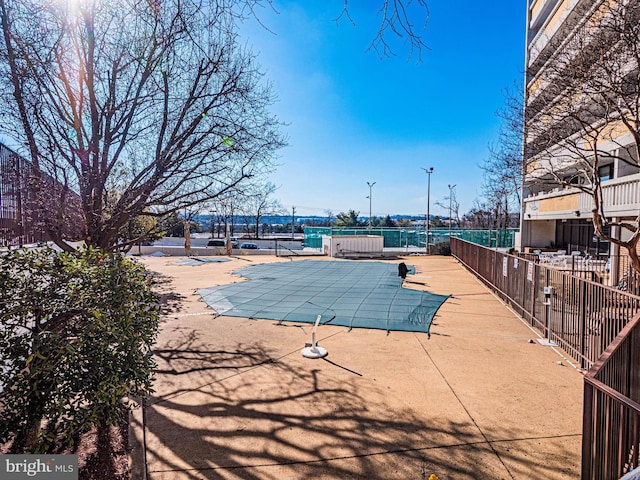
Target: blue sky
[354,118]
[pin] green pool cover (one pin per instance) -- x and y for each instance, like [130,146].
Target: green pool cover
[346,293]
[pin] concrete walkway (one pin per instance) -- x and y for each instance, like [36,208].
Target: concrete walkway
[235,399]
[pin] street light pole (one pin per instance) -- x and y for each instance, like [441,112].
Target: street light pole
[293,222]
[428,217]
[370,187]
[213,222]
[451,187]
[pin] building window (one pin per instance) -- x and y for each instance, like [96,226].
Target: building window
[605,172]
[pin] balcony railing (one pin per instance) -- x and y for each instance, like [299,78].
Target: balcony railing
[553,22]
[621,197]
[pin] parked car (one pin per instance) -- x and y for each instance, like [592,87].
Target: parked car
[234,242]
[248,246]
[216,242]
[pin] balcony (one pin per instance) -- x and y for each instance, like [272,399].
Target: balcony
[545,22]
[558,20]
[621,197]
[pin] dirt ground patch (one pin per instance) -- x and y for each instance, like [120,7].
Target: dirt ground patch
[103,454]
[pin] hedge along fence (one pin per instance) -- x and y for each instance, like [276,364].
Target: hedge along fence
[75,333]
[582,316]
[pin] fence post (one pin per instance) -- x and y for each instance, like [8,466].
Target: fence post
[587,432]
[634,359]
[547,310]
[536,272]
[582,330]
[493,267]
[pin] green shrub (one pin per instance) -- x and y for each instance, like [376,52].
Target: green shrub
[75,334]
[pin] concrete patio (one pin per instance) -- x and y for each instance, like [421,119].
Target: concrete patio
[235,399]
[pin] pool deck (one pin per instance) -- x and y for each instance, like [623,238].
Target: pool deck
[235,399]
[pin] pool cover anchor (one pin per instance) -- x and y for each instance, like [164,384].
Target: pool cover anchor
[313,350]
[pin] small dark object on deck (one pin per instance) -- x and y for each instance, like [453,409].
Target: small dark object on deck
[402,270]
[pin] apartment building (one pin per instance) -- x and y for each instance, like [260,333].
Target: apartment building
[23,220]
[14,229]
[581,124]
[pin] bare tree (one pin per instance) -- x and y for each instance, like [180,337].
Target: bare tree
[502,182]
[257,202]
[329,213]
[396,23]
[154,98]
[395,17]
[481,215]
[451,205]
[227,207]
[587,113]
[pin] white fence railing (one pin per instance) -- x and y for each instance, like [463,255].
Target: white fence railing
[620,196]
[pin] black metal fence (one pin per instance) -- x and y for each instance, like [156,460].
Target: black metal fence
[580,315]
[599,326]
[611,421]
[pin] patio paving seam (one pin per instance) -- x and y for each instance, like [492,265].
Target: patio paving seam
[347,457]
[533,330]
[464,407]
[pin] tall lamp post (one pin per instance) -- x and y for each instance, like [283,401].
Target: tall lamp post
[428,217]
[451,187]
[213,222]
[293,223]
[370,187]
